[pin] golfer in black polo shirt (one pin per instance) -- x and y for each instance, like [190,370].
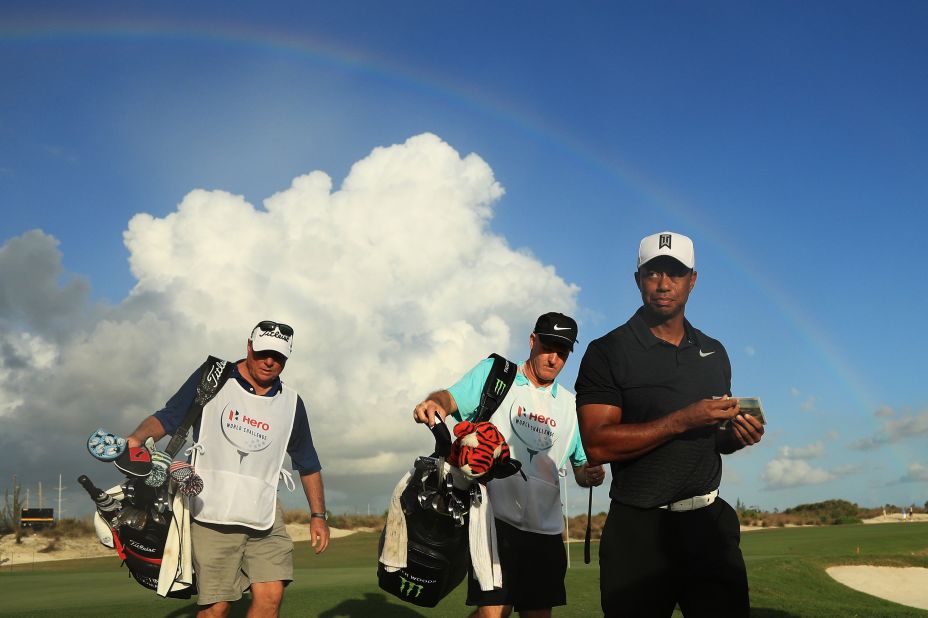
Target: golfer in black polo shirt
[653,399]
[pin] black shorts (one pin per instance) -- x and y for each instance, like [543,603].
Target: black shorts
[533,567]
[652,559]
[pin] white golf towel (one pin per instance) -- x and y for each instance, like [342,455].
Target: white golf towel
[393,555]
[484,555]
[176,563]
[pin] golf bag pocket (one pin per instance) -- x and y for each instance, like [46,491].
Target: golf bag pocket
[428,577]
[437,555]
[142,551]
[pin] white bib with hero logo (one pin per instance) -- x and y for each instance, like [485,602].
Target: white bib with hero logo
[539,429]
[242,444]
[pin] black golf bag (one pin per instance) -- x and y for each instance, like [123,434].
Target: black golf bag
[436,512]
[437,554]
[140,517]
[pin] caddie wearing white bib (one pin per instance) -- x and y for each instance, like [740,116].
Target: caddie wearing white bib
[241,441]
[539,421]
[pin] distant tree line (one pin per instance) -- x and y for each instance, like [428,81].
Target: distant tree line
[825,513]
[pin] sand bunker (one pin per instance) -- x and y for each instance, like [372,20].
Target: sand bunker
[905,585]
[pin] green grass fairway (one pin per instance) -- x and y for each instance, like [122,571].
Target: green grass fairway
[786,568]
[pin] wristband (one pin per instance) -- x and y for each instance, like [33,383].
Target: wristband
[323,515]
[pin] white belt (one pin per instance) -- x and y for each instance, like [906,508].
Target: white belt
[691,504]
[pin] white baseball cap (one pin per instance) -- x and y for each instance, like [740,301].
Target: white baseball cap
[272,336]
[675,245]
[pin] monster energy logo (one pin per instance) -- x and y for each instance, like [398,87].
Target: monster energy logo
[408,588]
[500,386]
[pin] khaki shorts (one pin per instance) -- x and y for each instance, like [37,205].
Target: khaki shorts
[228,559]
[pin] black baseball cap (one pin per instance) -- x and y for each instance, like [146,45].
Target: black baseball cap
[557,329]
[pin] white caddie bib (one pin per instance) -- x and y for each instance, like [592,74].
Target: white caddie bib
[244,441]
[539,429]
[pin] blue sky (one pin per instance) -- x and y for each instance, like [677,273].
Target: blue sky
[787,139]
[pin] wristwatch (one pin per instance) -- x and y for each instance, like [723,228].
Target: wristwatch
[323,515]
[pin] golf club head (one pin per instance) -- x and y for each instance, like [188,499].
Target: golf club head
[133,517]
[425,498]
[425,464]
[157,518]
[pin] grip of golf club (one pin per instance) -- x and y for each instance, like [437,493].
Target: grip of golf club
[106,504]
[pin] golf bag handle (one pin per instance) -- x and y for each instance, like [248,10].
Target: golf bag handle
[442,439]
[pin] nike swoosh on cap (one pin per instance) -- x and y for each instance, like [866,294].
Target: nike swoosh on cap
[556,327]
[705,354]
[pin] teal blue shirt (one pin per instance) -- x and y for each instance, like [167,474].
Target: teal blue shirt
[467,391]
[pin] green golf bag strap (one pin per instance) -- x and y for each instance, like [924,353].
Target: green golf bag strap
[213,375]
[502,375]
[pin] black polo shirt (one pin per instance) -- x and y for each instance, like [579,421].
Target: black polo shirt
[648,378]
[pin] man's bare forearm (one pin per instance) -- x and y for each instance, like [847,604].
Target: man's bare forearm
[315,491]
[435,408]
[607,439]
[150,427]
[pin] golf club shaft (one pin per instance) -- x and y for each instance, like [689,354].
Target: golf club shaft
[589,529]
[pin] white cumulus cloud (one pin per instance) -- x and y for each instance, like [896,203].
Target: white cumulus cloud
[783,473]
[916,473]
[792,468]
[394,283]
[896,429]
[884,411]
[816,449]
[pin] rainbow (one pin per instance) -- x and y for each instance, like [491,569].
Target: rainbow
[77,29]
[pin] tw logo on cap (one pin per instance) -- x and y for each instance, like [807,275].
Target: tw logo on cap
[664,241]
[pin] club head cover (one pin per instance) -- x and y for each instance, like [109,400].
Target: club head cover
[160,462]
[192,486]
[105,446]
[134,461]
[479,447]
[103,530]
[180,470]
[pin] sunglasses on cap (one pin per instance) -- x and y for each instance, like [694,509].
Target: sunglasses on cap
[268,326]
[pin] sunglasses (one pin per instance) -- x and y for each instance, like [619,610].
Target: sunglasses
[268,326]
